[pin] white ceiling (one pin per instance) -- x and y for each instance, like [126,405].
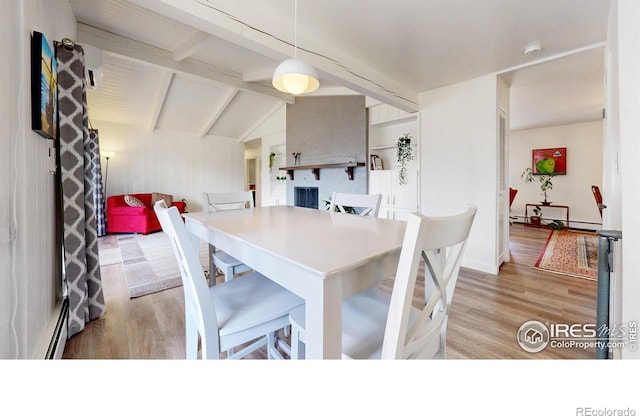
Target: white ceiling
[203,67]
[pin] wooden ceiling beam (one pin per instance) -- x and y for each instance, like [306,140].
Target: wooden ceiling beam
[190,46]
[163,90]
[245,136]
[256,76]
[216,114]
[331,63]
[127,48]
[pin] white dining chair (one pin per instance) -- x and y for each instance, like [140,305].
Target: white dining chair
[376,324]
[247,310]
[213,202]
[361,204]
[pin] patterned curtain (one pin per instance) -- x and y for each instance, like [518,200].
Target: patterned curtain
[95,174]
[77,163]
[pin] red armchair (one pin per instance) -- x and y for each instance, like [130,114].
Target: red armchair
[122,218]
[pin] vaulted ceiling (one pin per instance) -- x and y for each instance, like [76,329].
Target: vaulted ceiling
[203,67]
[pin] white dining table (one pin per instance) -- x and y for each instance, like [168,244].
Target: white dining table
[321,256]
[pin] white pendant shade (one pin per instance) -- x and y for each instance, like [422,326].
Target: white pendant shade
[295,77]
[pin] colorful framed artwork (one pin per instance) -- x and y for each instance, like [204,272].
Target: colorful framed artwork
[44,87]
[549,161]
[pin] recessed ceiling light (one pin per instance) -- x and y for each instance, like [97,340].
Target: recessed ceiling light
[533,48]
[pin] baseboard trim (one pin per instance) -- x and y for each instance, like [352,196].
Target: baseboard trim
[59,337]
[480,267]
[573,224]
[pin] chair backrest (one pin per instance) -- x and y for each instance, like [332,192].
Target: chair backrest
[598,197]
[221,201]
[198,302]
[512,195]
[440,243]
[368,205]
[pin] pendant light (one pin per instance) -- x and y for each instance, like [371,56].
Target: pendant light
[293,75]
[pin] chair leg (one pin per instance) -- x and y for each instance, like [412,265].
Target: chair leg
[209,350]
[442,352]
[191,339]
[271,344]
[282,344]
[228,274]
[297,346]
[213,270]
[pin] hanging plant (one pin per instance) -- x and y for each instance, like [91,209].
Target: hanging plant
[272,158]
[405,155]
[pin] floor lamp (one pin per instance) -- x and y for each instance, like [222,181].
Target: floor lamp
[107,155]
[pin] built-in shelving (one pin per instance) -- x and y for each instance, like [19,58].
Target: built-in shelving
[395,120]
[388,146]
[386,125]
[316,168]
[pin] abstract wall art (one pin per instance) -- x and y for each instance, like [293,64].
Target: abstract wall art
[44,87]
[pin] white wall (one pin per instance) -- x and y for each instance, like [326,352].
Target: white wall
[8,104]
[273,133]
[170,163]
[30,279]
[458,161]
[623,95]
[584,168]
[611,181]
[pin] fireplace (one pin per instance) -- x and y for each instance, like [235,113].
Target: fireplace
[305,197]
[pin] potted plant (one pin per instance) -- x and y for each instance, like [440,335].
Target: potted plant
[545,183]
[405,155]
[536,218]
[556,225]
[348,210]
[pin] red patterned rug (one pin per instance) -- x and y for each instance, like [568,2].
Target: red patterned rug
[572,253]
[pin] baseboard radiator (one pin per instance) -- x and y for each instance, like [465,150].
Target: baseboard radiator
[607,316]
[59,337]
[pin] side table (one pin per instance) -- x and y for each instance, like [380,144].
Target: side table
[527,219]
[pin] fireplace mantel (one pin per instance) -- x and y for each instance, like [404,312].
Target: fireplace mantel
[316,168]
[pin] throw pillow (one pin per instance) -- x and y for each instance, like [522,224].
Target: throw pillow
[157,196]
[132,201]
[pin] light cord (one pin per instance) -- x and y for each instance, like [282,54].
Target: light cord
[207,3]
[295,29]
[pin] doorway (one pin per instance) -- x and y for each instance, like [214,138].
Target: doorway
[252,159]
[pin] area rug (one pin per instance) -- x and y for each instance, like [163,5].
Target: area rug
[148,260]
[571,253]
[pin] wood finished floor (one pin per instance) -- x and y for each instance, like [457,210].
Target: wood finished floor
[487,311]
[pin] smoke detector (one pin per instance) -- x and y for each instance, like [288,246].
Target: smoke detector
[533,48]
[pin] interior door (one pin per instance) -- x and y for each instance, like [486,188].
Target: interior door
[503,191]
